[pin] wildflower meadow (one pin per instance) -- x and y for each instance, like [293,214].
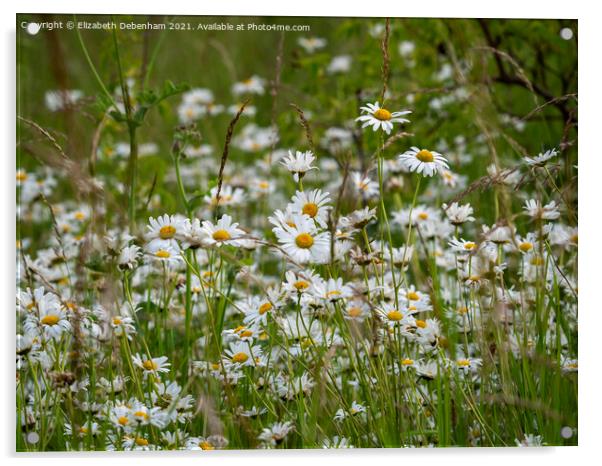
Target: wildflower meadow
[286,233]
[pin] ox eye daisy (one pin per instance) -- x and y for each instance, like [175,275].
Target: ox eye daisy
[151,366]
[423,161]
[164,230]
[242,353]
[380,118]
[303,243]
[299,163]
[314,204]
[223,232]
[541,159]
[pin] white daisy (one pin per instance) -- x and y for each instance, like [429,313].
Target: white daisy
[302,242]
[252,85]
[313,204]
[423,161]
[381,118]
[224,232]
[151,366]
[366,186]
[51,320]
[534,209]
[242,353]
[311,44]
[459,214]
[541,159]
[164,230]
[331,289]
[128,257]
[299,163]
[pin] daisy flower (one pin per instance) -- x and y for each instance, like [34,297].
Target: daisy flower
[228,196]
[357,311]
[256,308]
[276,433]
[541,159]
[313,204]
[302,242]
[534,209]
[224,232]
[51,320]
[459,214]
[151,366]
[167,254]
[380,118]
[311,44]
[193,235]
[423,161]
[393,316]
[528,244]
[122,325]
[206,443]
[128,257]
[252,85]
[331,290]
[164,230]
[462,246]
[366,186]
[298,283]
[299,163]
[242,353]
[468,364]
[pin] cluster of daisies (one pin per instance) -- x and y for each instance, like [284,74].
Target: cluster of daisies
[291,296]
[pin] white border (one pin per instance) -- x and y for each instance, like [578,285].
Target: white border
[589,199]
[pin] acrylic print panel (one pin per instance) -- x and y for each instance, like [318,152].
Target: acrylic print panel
[243,233]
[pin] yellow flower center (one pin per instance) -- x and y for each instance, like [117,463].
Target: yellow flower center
[412,296]
[382,114]
[310,209]
[79,216]
[525,247]
[21,176]
[141,414]
[167,232]
[141,442]
[462,310]
[407,362]
[240,357]
[246,333]
[50,319]
[123,420]
[301,285]
[221,235]
[394,315]
[463,362]
[425,156]
[264,185]
[304,241]
[265,307]
[575,238]
[83,430]
[469,246]
[204,445]
[355,312]
[163,254]
[423,216]
[537,261]
[149,365]
[332,293]
[420,323]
